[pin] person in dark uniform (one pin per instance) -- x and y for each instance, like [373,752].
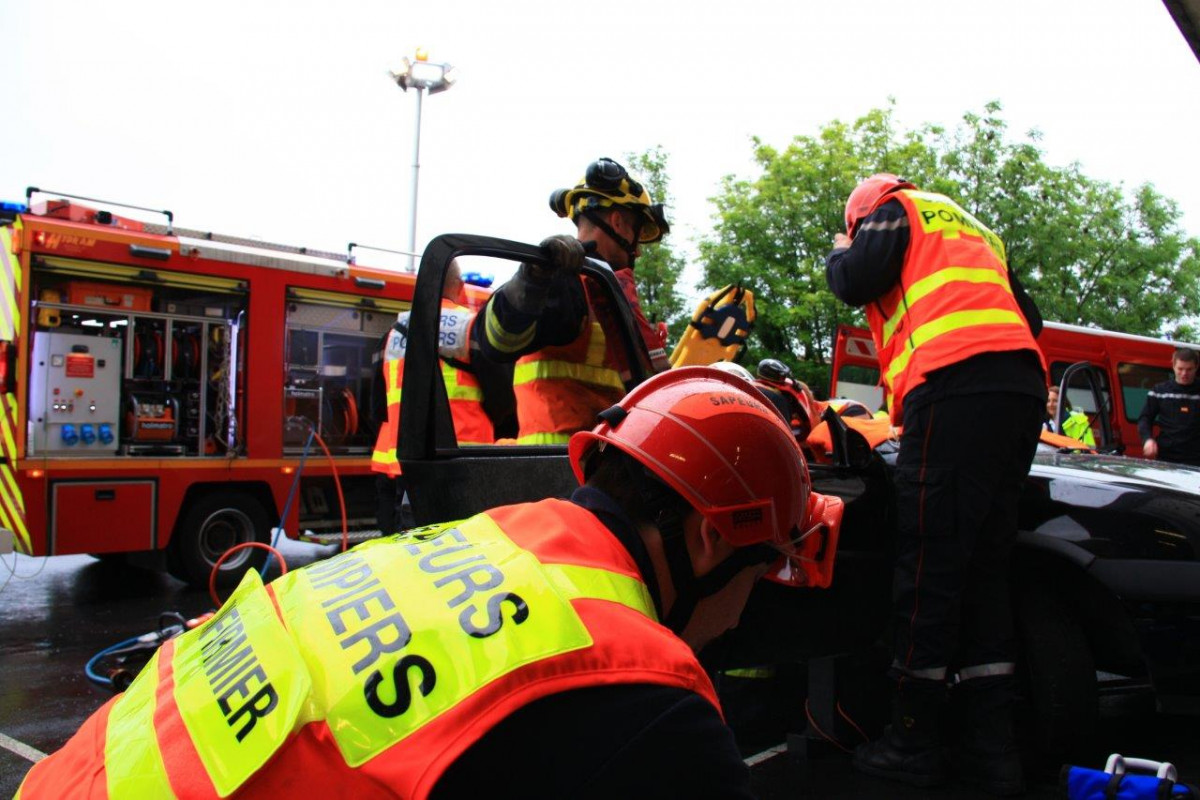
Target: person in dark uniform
[964,377]
[1174,406]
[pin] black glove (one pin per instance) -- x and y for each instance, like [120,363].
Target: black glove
[565,254]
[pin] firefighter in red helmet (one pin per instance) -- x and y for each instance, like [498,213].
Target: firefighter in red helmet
[965,379]
[540,650]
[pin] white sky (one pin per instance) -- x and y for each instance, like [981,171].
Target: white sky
[279,120]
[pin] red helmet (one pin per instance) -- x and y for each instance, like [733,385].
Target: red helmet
[720,444]
[867,194]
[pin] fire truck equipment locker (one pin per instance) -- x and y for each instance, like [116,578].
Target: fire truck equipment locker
[75,388]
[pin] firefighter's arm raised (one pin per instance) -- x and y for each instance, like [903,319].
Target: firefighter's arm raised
[543,304]
[865,268]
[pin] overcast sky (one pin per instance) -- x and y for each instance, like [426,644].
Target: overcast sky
[279,120]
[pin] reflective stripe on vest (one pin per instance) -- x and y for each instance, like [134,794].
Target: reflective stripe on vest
[383,457]
[936,281]
[560,390]
[544,438]
[235,687]
[133,762]
[948,324]
[953,300]
[549,364]
[472,425]
[503,340]
[241,687]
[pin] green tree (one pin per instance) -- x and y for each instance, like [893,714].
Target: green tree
[1087,253]
[659,266]
[772,233]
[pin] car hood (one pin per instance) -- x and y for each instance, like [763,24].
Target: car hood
[1117,471]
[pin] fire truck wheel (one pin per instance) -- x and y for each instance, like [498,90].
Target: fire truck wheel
[212,525]
[1059,708]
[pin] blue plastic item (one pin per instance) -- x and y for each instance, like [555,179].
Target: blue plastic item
[477,279]
[70,437]
[87,433]
[1114,783]
[106,434]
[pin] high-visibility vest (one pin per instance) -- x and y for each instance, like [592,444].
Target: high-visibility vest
[561,389]
[471,422]
[368,674]
[1077,426]
[953,300]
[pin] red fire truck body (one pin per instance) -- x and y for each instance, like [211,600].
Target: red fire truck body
[1132,364]
[160,387]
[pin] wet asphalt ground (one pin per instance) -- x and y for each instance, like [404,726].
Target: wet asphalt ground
[57,613]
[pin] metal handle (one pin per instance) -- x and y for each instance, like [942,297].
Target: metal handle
[1162,769]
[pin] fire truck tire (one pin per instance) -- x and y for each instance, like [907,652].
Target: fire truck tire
[1058,674]
[213,524]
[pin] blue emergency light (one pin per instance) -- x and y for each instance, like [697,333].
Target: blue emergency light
[478,279]
[14,208]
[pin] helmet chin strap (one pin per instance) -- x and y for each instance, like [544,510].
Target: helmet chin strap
[669,517]
[689,589]
[630,248]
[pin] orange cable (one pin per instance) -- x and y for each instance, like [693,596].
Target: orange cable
[212,576]
[824,735]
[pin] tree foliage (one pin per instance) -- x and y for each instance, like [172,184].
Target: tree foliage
[1087,251]
[659,266]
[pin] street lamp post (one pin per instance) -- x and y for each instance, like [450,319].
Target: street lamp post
[424,76]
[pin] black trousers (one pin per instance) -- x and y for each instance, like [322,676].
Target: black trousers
[959,473]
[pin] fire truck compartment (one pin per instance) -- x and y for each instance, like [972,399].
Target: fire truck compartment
[103,516]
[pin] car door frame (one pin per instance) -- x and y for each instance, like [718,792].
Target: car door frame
[446,481]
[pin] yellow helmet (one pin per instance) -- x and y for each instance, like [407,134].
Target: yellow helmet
[606,184]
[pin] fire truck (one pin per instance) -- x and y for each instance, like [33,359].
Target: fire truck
[162,387]
[1105,374]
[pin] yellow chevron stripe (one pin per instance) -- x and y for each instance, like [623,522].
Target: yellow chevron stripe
[7,442]
[6,522]
[12,502]
[9,417]
[8,480]
[18,226]
[14,517]
[10,283]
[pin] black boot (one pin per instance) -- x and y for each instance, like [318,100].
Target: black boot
[987,754]
[910,749]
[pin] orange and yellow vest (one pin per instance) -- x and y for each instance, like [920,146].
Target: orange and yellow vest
[471,423]
[368,674]
[561,389]
[953,300]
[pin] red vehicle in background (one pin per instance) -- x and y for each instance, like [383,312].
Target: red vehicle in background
[160,386]
[1088,362]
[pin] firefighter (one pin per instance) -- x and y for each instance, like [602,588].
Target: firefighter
[471,423]
[1174,405]
[552,323]
[964,377]
[517,653]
